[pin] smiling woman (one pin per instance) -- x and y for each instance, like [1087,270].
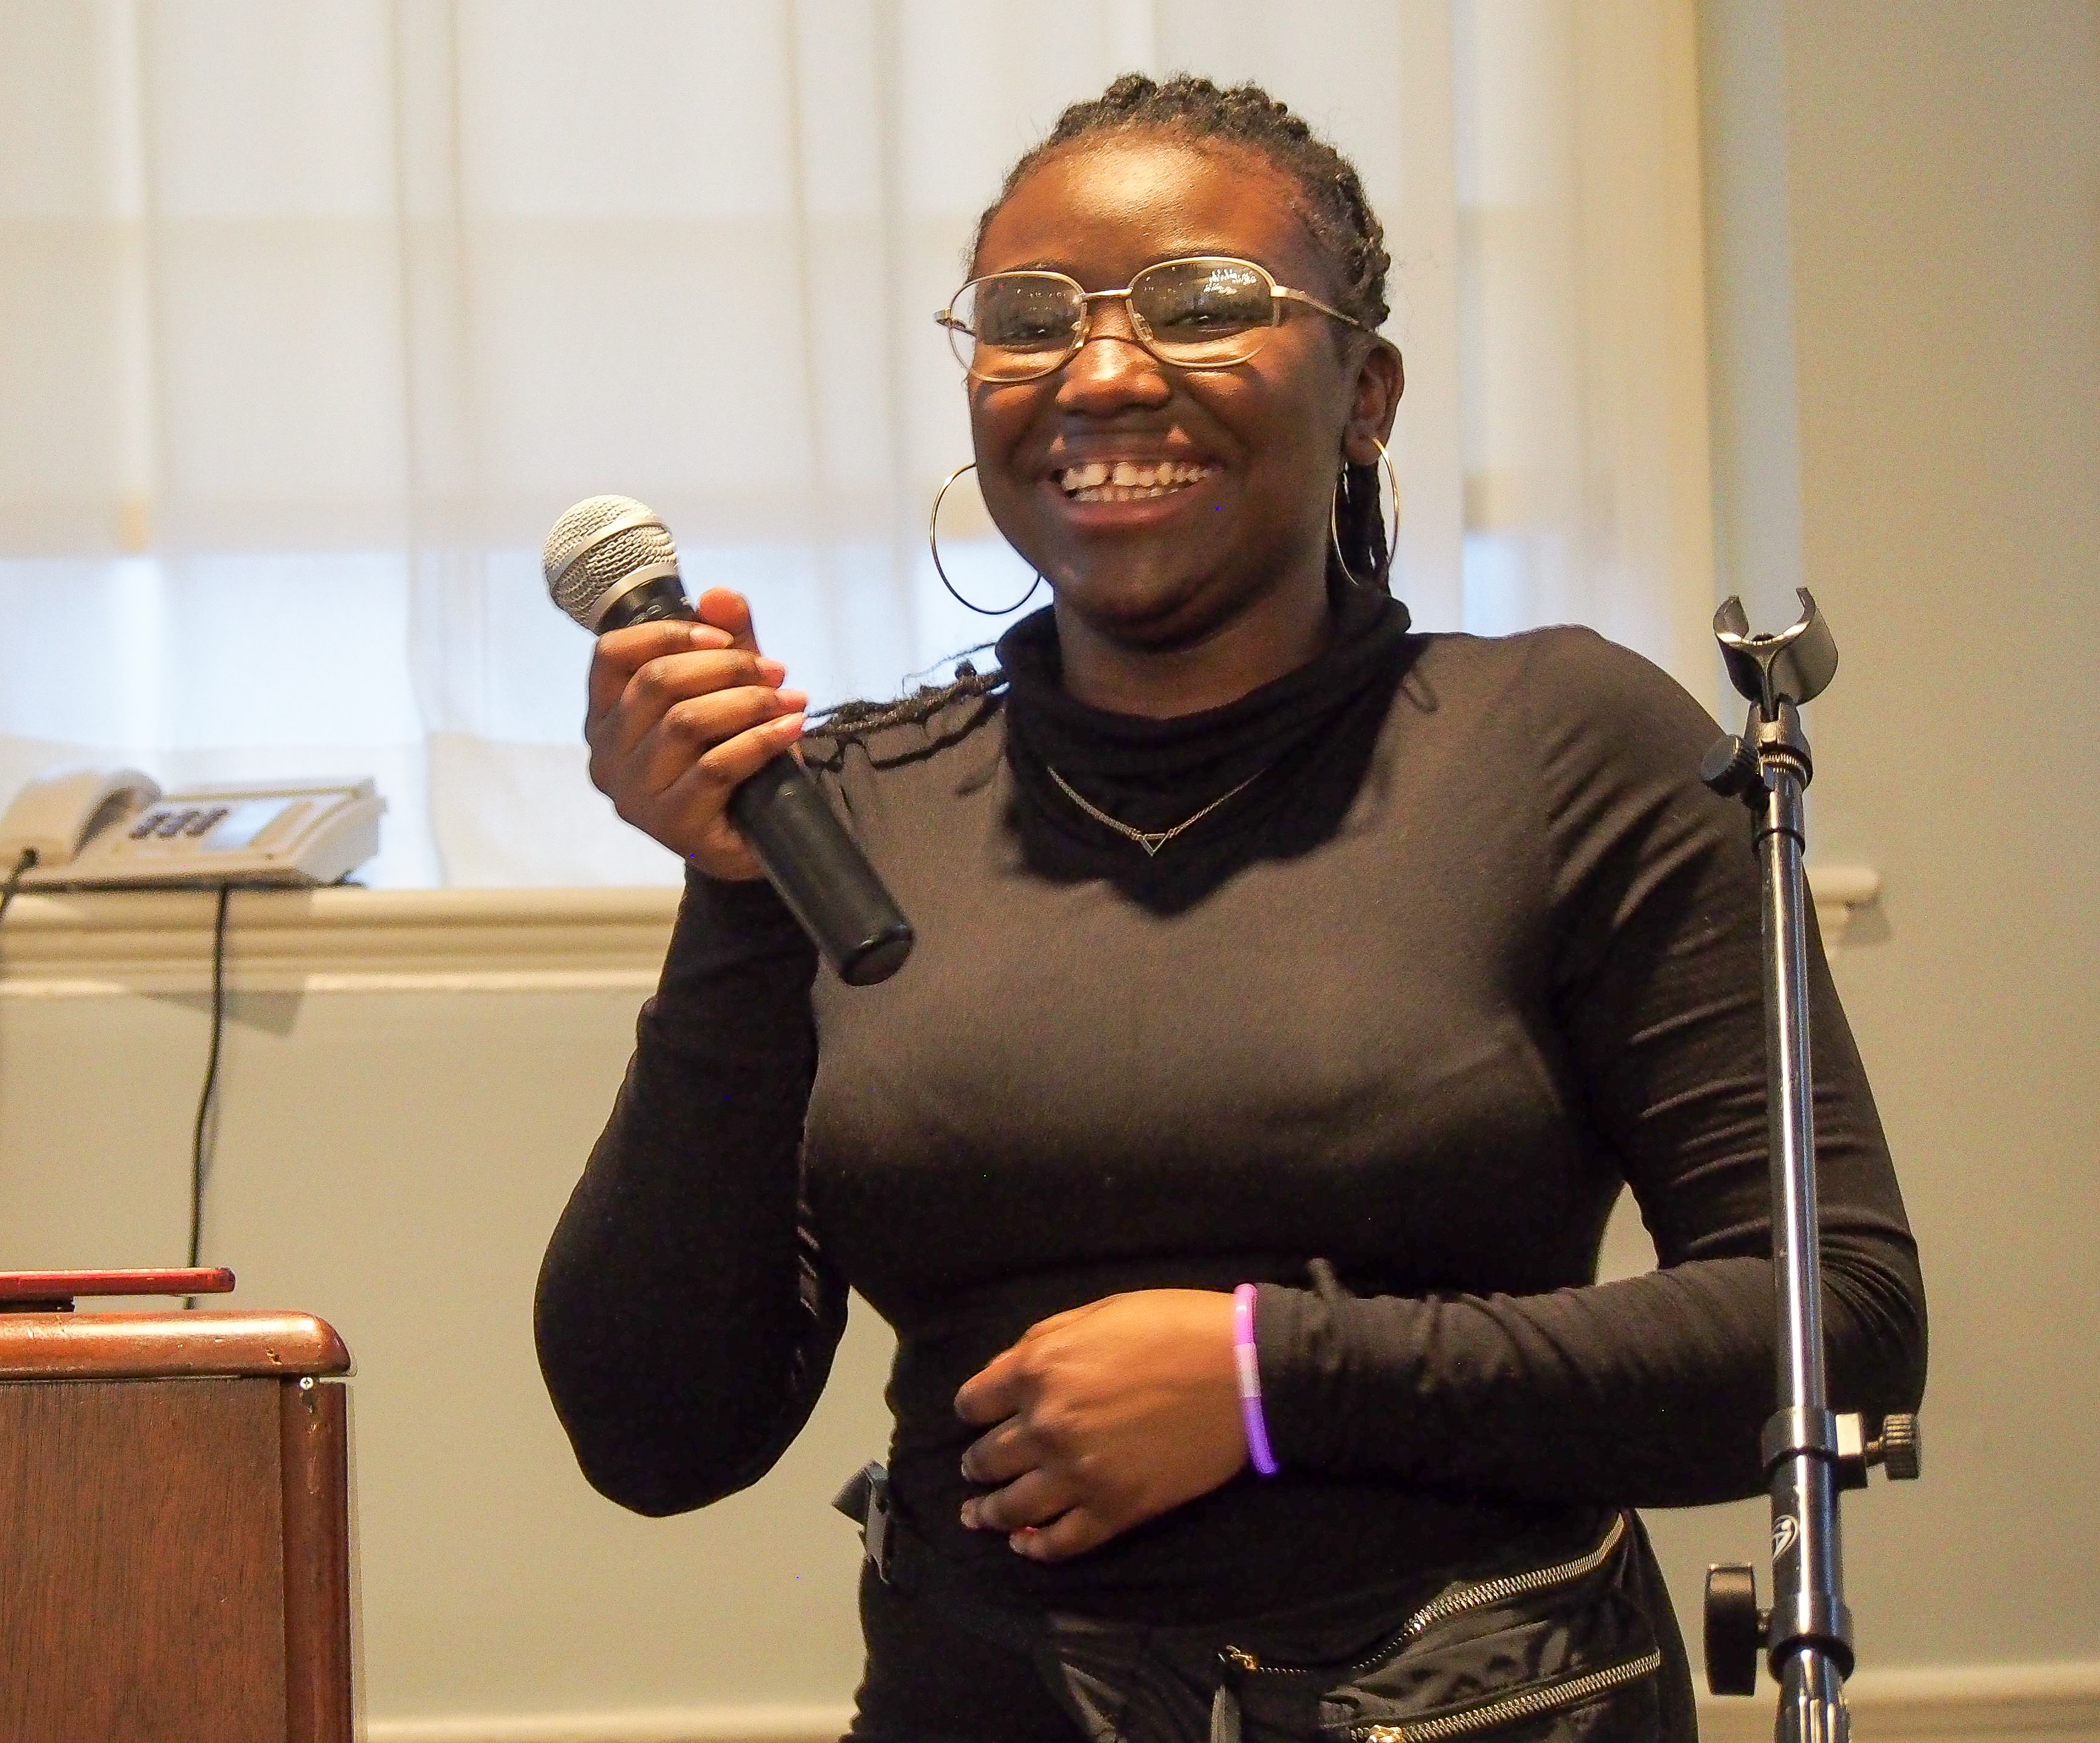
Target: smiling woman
[1296,994]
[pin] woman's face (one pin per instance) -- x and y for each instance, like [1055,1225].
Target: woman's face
[1251,450]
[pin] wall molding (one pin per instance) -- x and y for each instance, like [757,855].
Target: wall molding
[2040,1703]
[93,943]
[1839,893]
[96,943]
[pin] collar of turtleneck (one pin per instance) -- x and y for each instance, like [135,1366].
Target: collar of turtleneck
[1152,774]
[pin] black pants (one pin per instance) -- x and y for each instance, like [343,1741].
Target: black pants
[929,1682]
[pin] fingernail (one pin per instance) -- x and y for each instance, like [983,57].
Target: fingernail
[1023,1541]
[970,1515]
[797,700]
[789,727]
[771,670]
[706,635]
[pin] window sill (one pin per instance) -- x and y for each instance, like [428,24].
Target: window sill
[88,943]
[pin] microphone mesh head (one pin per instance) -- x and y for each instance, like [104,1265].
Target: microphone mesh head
[581,560]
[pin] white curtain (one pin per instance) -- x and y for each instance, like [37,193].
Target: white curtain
[312,318]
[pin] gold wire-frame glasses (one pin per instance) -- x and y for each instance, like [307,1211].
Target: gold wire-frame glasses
[1205,311]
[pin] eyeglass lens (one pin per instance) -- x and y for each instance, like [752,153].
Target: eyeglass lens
[1203,313]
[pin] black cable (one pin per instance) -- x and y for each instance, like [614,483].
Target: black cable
[205,1096]
[15,879]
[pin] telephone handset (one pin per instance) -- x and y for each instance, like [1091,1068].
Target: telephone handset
[53,816]
[115,828]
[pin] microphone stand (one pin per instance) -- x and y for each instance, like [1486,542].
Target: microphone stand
[1809,1453]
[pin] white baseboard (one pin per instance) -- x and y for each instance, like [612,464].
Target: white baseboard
[748,1724]
[2040,1703]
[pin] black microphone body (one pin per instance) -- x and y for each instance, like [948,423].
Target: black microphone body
[820,870]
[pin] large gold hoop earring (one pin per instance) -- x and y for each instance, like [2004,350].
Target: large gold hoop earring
[934,544]
[1334,522]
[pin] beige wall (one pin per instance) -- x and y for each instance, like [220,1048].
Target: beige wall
[1924,452]
[1938,208]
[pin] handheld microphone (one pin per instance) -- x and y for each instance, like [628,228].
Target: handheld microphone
[609,563]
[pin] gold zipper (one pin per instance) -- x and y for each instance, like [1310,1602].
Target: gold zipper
[1455,1602]
[1529,1705]
[1462,1599]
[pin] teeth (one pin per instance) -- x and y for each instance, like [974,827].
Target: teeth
[1129,480]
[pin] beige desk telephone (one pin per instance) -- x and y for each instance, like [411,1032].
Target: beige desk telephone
[115,828]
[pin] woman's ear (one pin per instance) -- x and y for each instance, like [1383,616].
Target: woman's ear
[1381,379]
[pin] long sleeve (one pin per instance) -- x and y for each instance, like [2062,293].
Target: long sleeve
[686,1317]
[1652,1390]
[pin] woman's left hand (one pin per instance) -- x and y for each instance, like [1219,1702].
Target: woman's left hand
[1102,1418]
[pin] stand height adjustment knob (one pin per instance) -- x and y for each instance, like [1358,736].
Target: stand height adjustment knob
[1735,1628]
[1897,1450]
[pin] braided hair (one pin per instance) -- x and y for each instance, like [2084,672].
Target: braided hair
[1330,202]
[856,720]
[1328,198]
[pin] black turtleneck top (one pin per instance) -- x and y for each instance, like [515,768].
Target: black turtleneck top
[1471,951]
[1295,750]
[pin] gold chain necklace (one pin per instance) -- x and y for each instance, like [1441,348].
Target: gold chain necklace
[1150,840]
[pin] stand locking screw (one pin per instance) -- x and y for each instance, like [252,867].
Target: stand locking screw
[1730,767]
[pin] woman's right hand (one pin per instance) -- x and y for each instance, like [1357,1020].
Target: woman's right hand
[679,715]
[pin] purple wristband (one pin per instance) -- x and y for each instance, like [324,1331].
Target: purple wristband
[1250,1374]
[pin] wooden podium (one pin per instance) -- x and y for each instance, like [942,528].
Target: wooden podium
[174,1544]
